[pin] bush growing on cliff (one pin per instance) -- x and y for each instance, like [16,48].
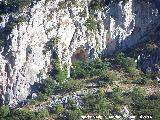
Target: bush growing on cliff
[58,109]
[19,3]
[96,103]
[49,86]
[43,96]
[91,24]
[125,62]
[88,69]
[60,74]
[78,71]
[42,114]
[74,114]
[95,5]
[62,5]
[107,77]
[50,44]
[4,111]
[116,1]
[21,114]
[20,19]
[145,105]
[72,86]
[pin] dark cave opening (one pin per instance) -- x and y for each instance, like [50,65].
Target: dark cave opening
[80,54]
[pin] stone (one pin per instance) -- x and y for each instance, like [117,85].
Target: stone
[121,26]
[34,95]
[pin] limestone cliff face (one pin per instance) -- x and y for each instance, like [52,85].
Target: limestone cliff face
[131,23]
[23,62]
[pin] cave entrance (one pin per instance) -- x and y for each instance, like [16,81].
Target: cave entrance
[79,55]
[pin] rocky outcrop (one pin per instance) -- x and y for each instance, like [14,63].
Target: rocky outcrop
[131,23]
[23,61]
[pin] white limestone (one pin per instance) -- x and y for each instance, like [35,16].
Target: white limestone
[120,28]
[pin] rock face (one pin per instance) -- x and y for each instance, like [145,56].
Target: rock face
[120,25]
[131,23]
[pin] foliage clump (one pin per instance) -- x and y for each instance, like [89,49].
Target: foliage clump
[95,5]
[96,103]
[22,114]
[91,24]
[108,77]
[88,69]
[50,44]
[127,63]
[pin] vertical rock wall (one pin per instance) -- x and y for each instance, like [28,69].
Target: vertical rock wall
[120,26]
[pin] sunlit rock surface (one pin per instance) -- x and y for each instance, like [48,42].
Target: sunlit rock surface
[23,64]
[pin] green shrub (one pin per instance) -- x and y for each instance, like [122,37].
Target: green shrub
[91,24]
[77,71]
[48,87]
[107,77]
[42,114]
[20,19]
[95,5]
[43,97]
[72,85]
[71,104]
[32,102]
[4,111]
[50,44]
[58,109]
[19,3]
[62,5]
[126,62]
[142,105]
[137,95]
[88,69]
[74,114]
[140,81]
[117,96]
[133,71]
[60,74]
[83,13]
[23,114]
[66,3]
[96,103]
